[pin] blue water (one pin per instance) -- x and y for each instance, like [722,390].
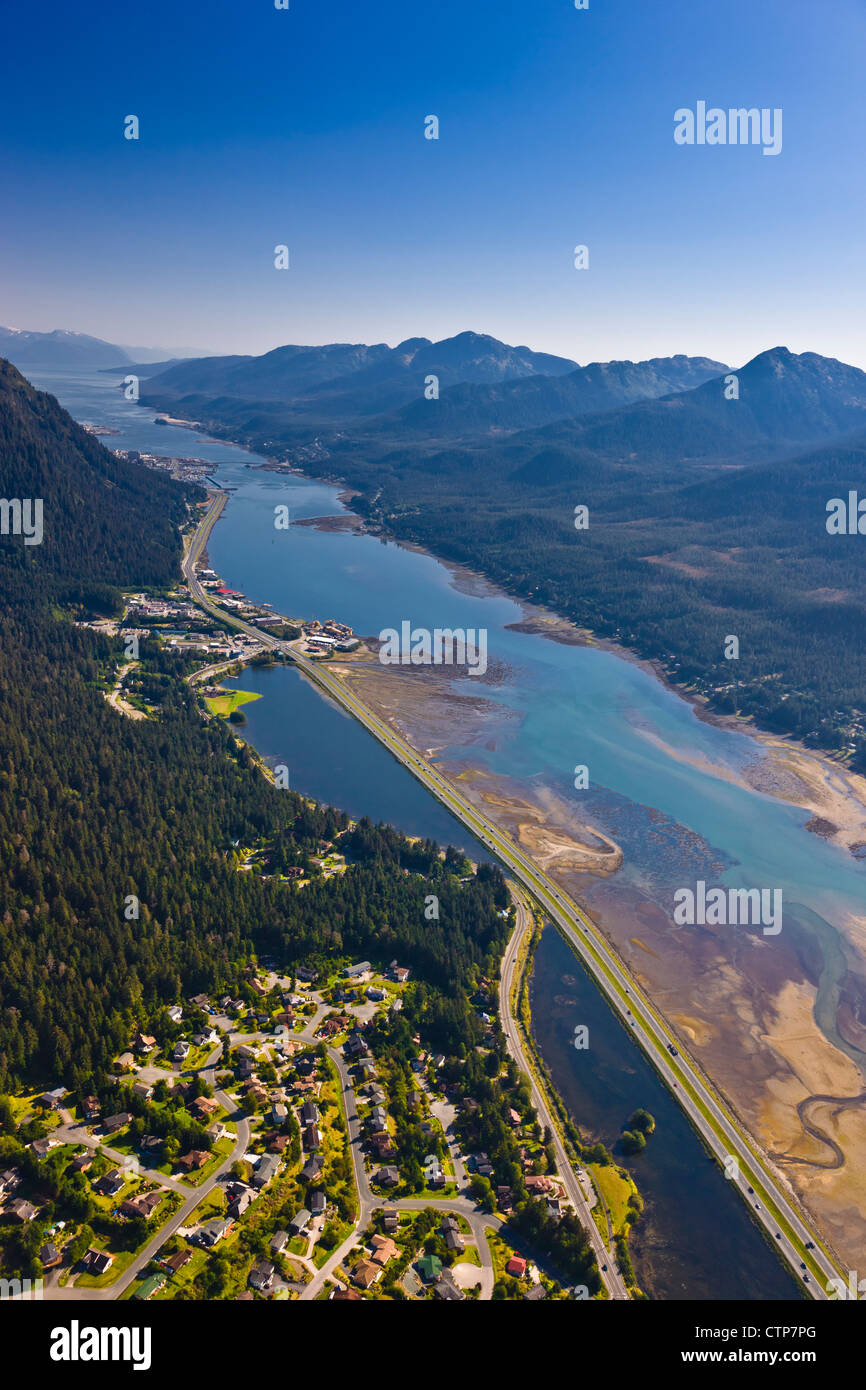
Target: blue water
[560,706]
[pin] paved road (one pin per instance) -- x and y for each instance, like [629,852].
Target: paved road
[115,698]
[611,1277]
[182,1216]
[769,1198]
[708,1112]
[368,1202]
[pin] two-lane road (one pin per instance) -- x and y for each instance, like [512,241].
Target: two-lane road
[771,1202]
[610,1275]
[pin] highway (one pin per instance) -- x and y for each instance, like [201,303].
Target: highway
[607,1265]
[770,1202]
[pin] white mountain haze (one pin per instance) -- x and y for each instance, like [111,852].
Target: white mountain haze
[63,348]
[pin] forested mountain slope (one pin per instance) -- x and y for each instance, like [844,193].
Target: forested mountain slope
[95,807]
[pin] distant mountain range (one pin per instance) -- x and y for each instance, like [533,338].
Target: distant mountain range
[784,402]
[64,350]
[557,416]
[468,384]
[541,399]
[60,349]
[354,379]
[706,488]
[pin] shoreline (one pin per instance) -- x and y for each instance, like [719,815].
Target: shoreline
[810,779]
[762,1084]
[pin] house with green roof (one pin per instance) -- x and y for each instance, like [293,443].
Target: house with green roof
[149,1287]
[429,1267]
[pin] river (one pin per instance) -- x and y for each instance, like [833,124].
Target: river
[653,790]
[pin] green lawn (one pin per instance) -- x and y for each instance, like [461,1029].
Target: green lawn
[121,1262]
[187,1275]
[615,1190]
[226,704]
[219,1152]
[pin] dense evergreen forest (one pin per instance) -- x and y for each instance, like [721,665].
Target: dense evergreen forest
[96,809]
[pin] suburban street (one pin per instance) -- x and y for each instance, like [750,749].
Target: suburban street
[462,1205]
[368,1202]
[772,1203]
[611,1277]
[77,1134]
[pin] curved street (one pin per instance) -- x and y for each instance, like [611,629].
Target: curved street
[771,1202]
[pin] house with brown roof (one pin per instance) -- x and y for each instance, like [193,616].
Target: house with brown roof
[42,1147]
[365,1274]
[382,1145]
[203,1107]
[115,1122]
[143,1204]
[312,1139]
[312,1168]
[538,1183]
[196,1158]
[383,1248]
[175,1263]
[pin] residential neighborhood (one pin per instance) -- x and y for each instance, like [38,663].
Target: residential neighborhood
[280,1146]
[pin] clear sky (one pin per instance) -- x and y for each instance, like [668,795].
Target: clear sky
[306,127]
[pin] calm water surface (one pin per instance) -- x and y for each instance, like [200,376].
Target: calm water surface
[570,705]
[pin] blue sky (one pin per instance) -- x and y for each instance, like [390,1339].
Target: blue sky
[306,127]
